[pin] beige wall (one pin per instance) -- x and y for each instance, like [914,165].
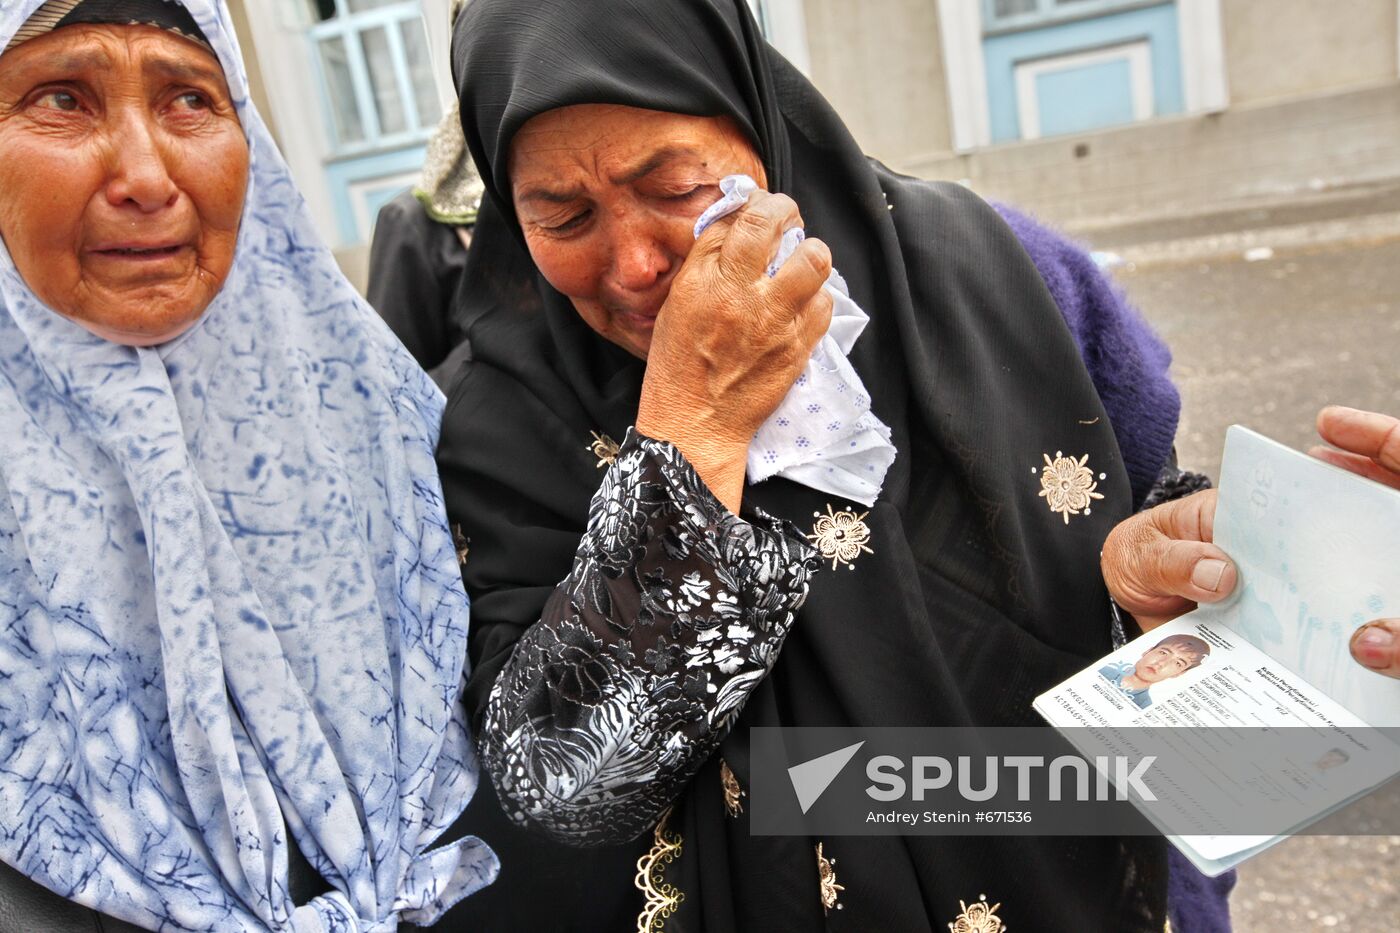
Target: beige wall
[1282,48]
[1179,165]
[879,63]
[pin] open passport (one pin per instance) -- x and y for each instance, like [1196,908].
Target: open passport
[1258,719]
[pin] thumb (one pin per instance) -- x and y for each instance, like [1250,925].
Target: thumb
[1161,563]
[1376,646]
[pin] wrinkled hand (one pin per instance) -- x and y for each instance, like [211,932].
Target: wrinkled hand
[1161,563]
[730,341]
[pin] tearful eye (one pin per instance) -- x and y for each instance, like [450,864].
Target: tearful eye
[193,101]
[59,100]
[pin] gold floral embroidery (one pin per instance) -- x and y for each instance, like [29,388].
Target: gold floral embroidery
[1068,485]
[459,541]
[732,791]
[826,870]
[977,917]
[840,536]
[663,899]
[604,448]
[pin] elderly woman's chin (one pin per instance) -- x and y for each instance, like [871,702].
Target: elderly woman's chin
[140,299]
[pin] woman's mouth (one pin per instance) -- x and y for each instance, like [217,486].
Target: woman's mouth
[640,320]
[161,251]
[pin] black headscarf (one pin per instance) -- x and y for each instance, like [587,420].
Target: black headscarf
[977,597]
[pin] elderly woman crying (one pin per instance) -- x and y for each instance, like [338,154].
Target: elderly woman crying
[706,494]
[232,627]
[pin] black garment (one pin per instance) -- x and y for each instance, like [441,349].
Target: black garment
[27,906]
[976,596]
[415,271]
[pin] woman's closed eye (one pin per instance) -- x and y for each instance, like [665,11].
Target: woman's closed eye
[685,193]
[569,223]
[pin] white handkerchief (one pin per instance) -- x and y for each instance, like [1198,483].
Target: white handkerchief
[823,434]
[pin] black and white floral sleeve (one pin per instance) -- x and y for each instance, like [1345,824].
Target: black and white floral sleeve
[643,657]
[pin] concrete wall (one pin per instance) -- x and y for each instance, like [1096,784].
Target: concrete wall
[1285,48]
[1185,164]
[880,65]
[1314,102]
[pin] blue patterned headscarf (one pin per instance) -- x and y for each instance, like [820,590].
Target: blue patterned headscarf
[229,598]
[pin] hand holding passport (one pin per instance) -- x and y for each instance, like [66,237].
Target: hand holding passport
[1260,719]
[1165,561]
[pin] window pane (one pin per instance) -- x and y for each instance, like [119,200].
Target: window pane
[359,6]
[1004,8]
[392,118]
[321,10]
[420,71]
[349,128]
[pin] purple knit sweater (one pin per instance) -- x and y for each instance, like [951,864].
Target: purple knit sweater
[1128,364]
[1126,360]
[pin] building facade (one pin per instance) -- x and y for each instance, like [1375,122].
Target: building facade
[1085,110]
[1078,109]
[354,88]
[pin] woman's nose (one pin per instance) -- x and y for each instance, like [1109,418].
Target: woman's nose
[138,174]
[640,259]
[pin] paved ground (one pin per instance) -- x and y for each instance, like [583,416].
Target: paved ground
[1266,344]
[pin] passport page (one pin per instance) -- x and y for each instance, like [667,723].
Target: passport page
[1318,552]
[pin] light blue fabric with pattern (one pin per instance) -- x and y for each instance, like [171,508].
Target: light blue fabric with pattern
[228,595]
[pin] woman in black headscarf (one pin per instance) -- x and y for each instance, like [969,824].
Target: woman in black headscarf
[628,688]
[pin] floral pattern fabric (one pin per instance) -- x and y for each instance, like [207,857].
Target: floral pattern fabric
[673,613]
[231,617]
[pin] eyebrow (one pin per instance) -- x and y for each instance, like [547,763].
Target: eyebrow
[657,159]
[184,71]
[163,66]
[73,61]
[551,195]
[653,162]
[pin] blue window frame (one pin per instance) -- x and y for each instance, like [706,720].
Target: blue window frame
[1000,16]
[376,74]
[1066,76]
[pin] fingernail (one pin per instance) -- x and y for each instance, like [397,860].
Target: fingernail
[1373,646]
[1208,573]
[1374,636]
